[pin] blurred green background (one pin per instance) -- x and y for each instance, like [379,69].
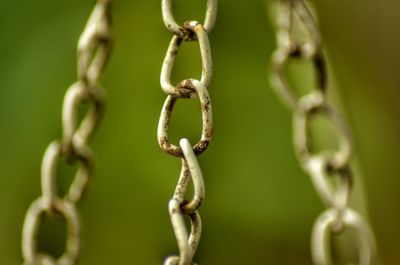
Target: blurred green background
[259,206]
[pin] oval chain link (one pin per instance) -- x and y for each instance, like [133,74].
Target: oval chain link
[184,88]
[182,32]
[206,109]
[94,49]
[328,167]
[290,48]
[179,207]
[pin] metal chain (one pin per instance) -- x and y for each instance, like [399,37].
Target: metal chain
[178,206]
[330,170]
[94,49]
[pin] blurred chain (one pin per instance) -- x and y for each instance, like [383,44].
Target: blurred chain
[94,49]
[330,171]
[188,88]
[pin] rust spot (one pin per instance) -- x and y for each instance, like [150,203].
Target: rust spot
[167,147]
[164,143]
[206,105]
[209,132]
[186,88]
[178,43]
[170,106]
[188,34]
[201,146]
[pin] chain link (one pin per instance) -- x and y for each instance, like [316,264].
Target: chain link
[330,170]
[182,31]
[94,49]
[179,207]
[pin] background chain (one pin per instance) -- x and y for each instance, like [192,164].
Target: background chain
[94,50]
[330,171]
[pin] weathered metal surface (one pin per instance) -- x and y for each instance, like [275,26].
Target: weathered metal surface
[179,207]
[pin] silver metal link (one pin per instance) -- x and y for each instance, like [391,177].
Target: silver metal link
[94,49]
[330,171]
[179,207]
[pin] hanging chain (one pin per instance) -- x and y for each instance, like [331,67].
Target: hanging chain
[178,206]
[94,49]
[330,171]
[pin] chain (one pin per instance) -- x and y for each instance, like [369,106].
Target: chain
[94,49]
[330,170]
[178,206]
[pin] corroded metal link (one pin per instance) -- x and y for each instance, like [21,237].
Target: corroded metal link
[93,52]
[190,168]
[325,225]
[206,110]
[187,243]
[179,207]
[182,90]
[329,170]
[173,26]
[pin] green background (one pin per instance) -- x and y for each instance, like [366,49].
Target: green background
[259,206]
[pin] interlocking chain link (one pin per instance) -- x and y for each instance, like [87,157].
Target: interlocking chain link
[178,206]
[330,170]
[94,49]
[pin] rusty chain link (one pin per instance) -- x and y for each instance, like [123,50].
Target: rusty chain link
[94,49]
[178,206]
[327,167]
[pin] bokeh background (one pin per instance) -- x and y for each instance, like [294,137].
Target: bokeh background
[260,206]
